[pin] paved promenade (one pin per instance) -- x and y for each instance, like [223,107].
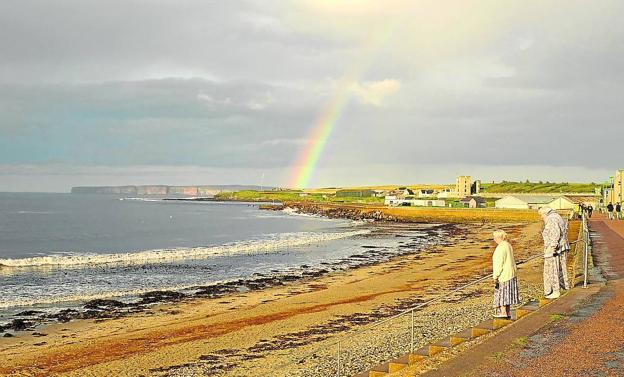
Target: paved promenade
[581,334]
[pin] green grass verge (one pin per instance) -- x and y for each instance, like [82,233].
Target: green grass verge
[557,317]
[538,187]
[292,196]
[521,341]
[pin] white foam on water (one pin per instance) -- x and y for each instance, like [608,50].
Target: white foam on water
[277,242]
[294,212]
[84,297]
[50,300]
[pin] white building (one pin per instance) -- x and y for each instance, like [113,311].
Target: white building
[379,193]
[425,193]
[564,202]
[428,203]
[525,201]
[394,201]
[447,193]
[391,200]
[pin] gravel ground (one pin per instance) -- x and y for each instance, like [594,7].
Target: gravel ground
[376,345]
[317,351]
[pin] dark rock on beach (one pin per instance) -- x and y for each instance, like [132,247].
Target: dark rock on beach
[29,313]
[104,304]
[160,296]
[19,325]
[65,315]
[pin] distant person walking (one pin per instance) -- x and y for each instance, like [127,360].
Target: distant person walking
[590,209]
[582,210]
[618,211]
[610,210]
[504,269]
[556,248]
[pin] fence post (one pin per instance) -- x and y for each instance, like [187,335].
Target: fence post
[585,251]
[339,371]
[412,344]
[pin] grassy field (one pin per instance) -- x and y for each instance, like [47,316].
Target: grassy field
[441,215]
[289,196]
[423,186]
[538,187]
[461,215]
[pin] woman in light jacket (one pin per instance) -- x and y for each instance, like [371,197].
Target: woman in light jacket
[504,274]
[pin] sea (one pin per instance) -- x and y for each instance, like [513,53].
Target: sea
[59,251]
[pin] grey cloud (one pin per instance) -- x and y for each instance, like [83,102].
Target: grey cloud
[155,122]
[230,87]
[86,40]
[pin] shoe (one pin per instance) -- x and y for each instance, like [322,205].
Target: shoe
[553,295]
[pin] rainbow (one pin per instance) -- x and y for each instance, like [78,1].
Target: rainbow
[322,130]
[308,158]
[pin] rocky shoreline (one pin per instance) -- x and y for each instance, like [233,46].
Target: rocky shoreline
[334,212]
[102,309]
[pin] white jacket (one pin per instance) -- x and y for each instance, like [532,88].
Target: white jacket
[503,262]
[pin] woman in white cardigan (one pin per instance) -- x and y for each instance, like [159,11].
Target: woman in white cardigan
[504,275]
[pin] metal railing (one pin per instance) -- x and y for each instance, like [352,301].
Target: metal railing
[586,238]
[340,369]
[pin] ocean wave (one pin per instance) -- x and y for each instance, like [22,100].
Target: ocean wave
[294,212]
[276,242]
[42,301]
[50,300]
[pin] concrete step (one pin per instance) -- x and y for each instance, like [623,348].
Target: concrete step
[471,333]
[395,367]
[523,310]
[493,324]
[430,350]
[413,358]
[374,373]
[501,322]
[409,359]
[451,341]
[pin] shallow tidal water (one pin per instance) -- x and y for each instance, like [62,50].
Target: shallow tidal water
[60,250]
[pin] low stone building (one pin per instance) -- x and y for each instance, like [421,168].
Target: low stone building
[396,201]
[473,202]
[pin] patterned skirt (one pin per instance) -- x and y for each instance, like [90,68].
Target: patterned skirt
[507,293]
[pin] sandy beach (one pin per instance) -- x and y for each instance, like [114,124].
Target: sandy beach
[253,333]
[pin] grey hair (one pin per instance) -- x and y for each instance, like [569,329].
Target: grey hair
[499,233]
[545,210]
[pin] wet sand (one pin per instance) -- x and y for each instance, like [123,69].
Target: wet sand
[258,330]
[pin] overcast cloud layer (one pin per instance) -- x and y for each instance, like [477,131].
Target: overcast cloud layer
[217,92]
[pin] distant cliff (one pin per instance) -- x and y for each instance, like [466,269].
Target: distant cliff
[162,190]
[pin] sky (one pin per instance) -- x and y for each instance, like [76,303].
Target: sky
[231,92]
